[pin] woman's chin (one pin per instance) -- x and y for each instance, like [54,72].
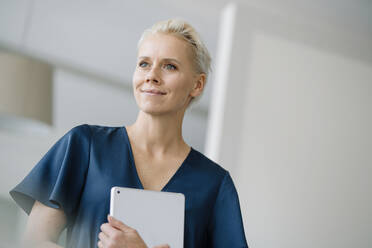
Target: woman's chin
[158,108]
[154,110]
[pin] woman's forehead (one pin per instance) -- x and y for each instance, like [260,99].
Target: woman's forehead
[163,46]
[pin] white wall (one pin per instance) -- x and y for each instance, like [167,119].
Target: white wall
[307,143]
[300,152]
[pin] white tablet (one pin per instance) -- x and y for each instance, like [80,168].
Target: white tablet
[157,216]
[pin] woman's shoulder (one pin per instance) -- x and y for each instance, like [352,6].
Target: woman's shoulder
[206,165]
[93,129]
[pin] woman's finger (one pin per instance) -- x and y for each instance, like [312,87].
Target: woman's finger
[103,238]
[118,224]
[110,231]
[100,244]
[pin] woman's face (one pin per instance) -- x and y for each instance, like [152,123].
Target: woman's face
[164,80]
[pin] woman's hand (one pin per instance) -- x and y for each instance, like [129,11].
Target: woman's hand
[115,234]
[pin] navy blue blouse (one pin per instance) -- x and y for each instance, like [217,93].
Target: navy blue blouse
[77,173]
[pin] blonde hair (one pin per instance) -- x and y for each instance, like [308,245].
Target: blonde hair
[182,29]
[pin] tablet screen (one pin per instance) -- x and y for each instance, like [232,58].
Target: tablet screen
[156,215]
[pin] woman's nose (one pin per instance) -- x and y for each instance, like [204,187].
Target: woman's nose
[152,76]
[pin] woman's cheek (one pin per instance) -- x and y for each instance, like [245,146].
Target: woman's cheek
[136,79]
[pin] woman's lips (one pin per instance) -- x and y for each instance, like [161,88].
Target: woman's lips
[153,92]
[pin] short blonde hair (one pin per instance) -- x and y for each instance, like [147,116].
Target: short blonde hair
[180,28]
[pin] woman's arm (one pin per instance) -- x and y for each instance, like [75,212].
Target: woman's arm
[226,227]
[44,226]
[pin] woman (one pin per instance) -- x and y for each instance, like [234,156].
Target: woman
[70,186]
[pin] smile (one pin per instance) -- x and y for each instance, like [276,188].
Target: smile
[153,92]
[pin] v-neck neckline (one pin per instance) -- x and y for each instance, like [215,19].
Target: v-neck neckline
[133,164]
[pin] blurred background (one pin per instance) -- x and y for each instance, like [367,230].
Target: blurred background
[287,109]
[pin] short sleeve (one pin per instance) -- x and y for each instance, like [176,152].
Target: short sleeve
[58,178]
[226,228]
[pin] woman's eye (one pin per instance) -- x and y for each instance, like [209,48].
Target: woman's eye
[143,64]
[170,67]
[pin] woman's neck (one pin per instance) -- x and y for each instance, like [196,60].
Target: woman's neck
[158,134]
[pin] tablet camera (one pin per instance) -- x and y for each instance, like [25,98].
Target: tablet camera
[118,191]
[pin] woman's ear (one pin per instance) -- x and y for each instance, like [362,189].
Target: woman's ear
[198,85]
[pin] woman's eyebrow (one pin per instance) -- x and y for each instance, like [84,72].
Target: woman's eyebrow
[164,59]
[172,60]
